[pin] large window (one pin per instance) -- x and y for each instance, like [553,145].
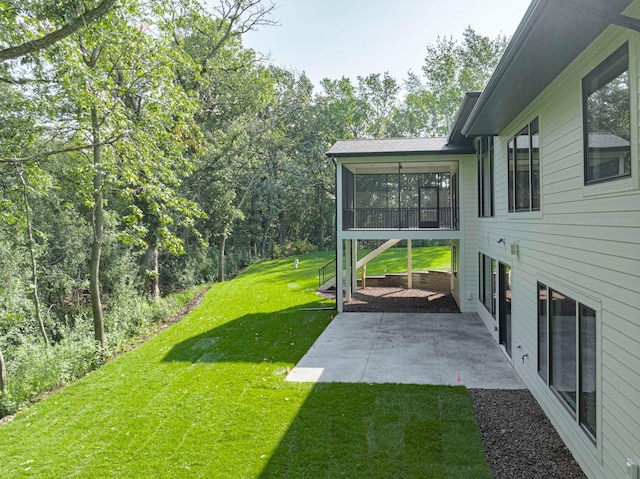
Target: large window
[485,176]
[606,108]
[487,282]
[567,353]
[524,169]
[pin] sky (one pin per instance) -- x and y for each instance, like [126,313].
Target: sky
[335,38]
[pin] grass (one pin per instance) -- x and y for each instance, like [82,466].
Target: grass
[207,398]
[394,260]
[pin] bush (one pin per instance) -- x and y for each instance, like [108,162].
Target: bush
[33,369]
[294,248]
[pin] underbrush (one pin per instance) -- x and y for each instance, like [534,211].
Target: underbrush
[33,369]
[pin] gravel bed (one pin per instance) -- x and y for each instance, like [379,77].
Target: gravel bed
[518,439]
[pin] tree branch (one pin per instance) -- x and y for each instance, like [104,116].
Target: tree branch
[69,29]
[67,149]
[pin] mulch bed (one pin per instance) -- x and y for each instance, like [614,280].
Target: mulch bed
[398,300]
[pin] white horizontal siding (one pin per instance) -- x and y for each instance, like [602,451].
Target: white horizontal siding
[586,243]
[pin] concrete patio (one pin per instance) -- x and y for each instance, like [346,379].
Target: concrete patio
[408,348]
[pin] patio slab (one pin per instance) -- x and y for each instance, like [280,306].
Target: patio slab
[407,348]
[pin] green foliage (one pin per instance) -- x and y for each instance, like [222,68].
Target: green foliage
[33,369]
[290,248]
[450,69]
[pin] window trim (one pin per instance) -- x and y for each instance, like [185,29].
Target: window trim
[581,301]
[604,74]
[490,289]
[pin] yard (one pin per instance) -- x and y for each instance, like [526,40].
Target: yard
[207,398]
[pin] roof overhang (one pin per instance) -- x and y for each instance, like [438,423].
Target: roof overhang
[394,147]
[550,36]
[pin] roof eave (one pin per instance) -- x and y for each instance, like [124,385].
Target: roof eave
[516,82]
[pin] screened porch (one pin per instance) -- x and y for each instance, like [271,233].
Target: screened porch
[400,196]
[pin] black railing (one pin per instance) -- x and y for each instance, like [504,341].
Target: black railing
[327,272]
[400,219]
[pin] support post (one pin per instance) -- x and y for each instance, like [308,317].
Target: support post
[409,265]
[339,300]
[354,267]
[349,271]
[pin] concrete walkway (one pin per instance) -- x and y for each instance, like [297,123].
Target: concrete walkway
[408,348]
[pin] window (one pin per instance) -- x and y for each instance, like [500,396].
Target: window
[567,354]
[523,159]
[485,157]
[487,282]
[606,104]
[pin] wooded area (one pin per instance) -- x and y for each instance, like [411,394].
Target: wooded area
[145,151]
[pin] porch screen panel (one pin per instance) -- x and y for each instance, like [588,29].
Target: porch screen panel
[348,198]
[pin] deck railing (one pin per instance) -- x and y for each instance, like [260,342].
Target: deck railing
[327,272]
[400,219]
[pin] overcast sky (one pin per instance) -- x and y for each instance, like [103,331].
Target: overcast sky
[334,38]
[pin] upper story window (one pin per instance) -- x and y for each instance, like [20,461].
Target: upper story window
[485,157]
[606,103]
[524,169]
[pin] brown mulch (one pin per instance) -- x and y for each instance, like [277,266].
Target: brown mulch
[399,300]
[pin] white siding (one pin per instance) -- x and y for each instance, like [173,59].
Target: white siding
[585,242]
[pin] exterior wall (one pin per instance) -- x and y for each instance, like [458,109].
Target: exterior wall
[465,236]
[584,242]
[468,272]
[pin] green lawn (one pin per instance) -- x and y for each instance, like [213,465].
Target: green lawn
[207,398]
[394,260]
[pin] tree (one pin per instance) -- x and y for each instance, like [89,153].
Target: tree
[451,68]
[17,16]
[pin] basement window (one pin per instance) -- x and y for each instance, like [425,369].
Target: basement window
[567,341]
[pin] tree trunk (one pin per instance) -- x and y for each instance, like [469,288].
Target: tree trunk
[282,228]
[34,264]
[97,222]
[3,375]
[223,241]
[151,272]
[263,246]
[321,213]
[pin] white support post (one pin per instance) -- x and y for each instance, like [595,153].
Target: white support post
[339,300]
[354,268]
[409,265]
[349,271]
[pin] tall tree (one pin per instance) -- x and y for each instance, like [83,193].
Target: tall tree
[26,20]
[451,68]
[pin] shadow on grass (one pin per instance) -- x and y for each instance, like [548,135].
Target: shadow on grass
[381,431]
[282,336]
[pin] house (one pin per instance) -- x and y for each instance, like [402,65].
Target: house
[538,189]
